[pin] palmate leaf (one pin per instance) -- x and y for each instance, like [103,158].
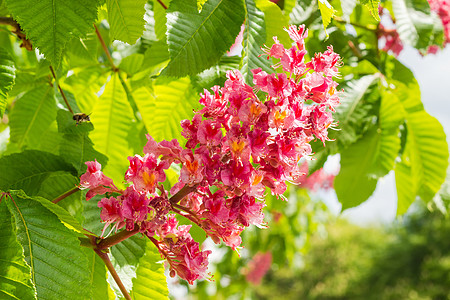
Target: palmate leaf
[150,281]
[32,115]
[112,118]
[163,107]
[126,19]
[416,24]
[195,43]
[59,267]
[49,24]
[27,170]
[15,274]
[7,75]
[253,39]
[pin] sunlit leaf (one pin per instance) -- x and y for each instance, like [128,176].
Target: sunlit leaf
[194,43]
[126,19]
[327,11]
[7,75]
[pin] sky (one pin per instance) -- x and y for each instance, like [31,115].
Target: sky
[433,74]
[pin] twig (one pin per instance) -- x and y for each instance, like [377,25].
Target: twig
[61,91]
[116,238]
[67,194]
[186,190]
[112,271]
[162,4]
[8,21]
[17,31]
[105,49]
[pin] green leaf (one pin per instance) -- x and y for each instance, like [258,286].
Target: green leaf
[164,107]
[59,266]
[15,274]
[76,147]
[327,11]
[353,185]
[85,85]
[49,24]
[27,170]
[353,113]
[289,6]
[150,281]
[91,214]
[83,50]
[372,5]
[112,118]
[424,162]
[126,256]
[275,22]
[390,117]
[7,75]
[216,75]
[302,11]
[160,19]
[253,39]
[99,285]
[132,64]
[126,19]
[193,39]
[416,24]
[32,115]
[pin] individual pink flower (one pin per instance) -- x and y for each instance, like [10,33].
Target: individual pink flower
[95,180]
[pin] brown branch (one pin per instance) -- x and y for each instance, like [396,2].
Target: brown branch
[105,49]
[67,194]
[61,91]
[186,190]
[162,4]
[112,271]
[116,238]
[8,21]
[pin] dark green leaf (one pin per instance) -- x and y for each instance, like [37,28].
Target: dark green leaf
[15,274]
[49,24]
[194,42]
[59,267]
[99,285]
[27,170]
[7,75]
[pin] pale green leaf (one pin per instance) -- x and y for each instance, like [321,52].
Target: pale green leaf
[15,274]
[165,106]
[327,11]
[32,115]
[27,170]
[193,39]
[112,119]
[254,37]
[160,19]
[126,19]
[289,6]
[83,50]
[7,75]
[372,5]
[353,185]
[132,64]
[275,22]
[59,266]
[150,281]
[49,24]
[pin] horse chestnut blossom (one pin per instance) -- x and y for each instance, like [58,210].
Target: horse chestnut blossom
[245,141]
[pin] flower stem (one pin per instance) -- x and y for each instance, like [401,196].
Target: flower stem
[112,271]
[108,55]
[116,238]
[61,91]
[186,190]
[162,4]
[67,194]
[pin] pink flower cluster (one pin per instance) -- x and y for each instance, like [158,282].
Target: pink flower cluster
[244,140]
[258,267]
